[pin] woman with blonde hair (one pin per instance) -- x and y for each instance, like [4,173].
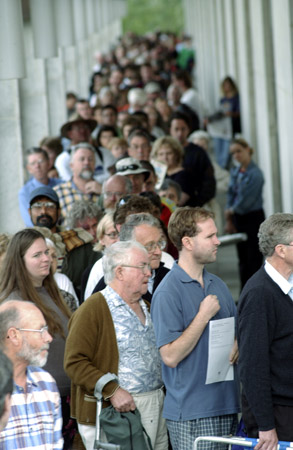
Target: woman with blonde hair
[26,275]
[244,212]
[106,236]
[169,151]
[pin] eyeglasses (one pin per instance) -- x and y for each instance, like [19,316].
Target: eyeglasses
[145,268]
[39,161]
[112,235]
[113,194]
[288,245]
[151,246]
[130,167]
[42,331]
[47,205]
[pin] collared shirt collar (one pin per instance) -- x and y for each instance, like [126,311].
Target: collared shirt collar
[185,278]
[284,285]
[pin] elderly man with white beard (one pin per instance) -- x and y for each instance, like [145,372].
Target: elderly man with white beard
[82,185]
[35,419]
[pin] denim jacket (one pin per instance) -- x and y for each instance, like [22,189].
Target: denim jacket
[245,189]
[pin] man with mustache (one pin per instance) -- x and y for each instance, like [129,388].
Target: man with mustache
[45,212]
[82,185]
[35,419]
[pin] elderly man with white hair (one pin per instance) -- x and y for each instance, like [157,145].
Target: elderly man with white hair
[111,347]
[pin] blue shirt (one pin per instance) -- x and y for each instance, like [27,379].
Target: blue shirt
[24,195]
[245,189]
[174,305]
[35,419]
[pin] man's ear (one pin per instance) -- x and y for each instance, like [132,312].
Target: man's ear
[279,249]
[14,336]
[186,242]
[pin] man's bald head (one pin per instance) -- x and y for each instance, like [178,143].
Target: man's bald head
[13,313]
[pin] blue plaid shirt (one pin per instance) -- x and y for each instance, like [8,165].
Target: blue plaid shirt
[35,419]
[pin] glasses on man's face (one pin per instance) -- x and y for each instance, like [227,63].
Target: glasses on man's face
[112,235]
[42,330]
[39,161]
[145,268]
[47,205]
[113,194]
[151,246]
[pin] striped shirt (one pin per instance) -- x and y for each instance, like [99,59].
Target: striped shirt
[35,419]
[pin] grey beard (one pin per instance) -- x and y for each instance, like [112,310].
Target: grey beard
[86,174]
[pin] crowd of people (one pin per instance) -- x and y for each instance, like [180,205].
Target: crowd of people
[106,287]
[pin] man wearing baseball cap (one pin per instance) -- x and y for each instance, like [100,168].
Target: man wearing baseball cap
[37,165]
[45,212]
[44,208]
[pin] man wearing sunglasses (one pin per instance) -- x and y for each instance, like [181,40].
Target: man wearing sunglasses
[35,419]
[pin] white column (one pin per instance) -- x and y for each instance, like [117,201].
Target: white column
[12,62]
[220,29]
[266,121]
[81,47]
[245,72]
[44,30]
[64,22]
[283,57]
[230,38]
[10,157]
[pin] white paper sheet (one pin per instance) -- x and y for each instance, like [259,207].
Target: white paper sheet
[221,340]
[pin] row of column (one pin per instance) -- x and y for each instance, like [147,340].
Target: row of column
[45,56]
[251,40]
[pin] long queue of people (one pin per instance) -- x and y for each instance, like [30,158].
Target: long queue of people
[90,289]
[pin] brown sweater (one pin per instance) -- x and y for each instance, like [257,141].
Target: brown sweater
[91,351]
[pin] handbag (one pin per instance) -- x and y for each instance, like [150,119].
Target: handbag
[125,429]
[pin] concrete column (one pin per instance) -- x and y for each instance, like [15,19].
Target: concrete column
[12,175]
[245,71]
[81,47]
[33,96]
[230,38]
[264,99]
[56,93]
[282,19]
[70,69]
[44,30]
[64,22]
[12,62]
[220,30]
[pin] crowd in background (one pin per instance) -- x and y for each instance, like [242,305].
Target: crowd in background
[142,141]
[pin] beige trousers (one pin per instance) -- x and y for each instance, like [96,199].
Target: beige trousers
[150,406]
